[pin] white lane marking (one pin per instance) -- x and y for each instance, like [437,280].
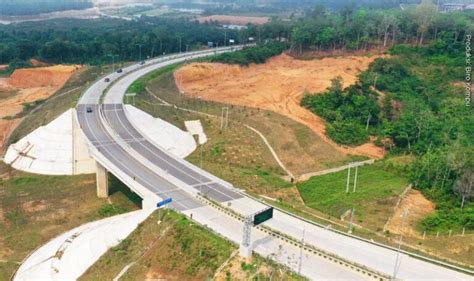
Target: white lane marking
[161,158]
[118,161]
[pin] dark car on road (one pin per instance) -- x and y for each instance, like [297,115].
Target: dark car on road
[119,70]
[89,109]
[142,62]
[107,79]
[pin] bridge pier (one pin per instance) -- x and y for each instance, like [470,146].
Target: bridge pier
[102,180]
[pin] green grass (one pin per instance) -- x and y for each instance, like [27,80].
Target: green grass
[375,196]
[139,85]
[175,248]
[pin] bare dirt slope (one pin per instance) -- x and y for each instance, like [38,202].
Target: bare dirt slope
[417,206]
[26,86]
[32,84]
[277,85]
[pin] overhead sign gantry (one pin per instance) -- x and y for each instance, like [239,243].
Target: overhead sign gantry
[253,220]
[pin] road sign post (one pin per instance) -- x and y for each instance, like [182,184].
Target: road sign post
[162,204]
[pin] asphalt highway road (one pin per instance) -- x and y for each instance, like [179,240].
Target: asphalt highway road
[205,185]
[99,137]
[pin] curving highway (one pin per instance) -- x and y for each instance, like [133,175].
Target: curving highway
[154,174]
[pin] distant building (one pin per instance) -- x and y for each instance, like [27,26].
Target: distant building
[452,7]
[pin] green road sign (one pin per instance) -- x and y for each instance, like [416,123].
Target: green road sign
[263,216]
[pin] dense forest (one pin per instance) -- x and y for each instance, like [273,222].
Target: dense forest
[350,28]
[28,7]
[355,28]
[80,41]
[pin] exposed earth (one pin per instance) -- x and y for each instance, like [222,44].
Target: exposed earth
[237,20]
[417,206]
[26,86]
[277,85]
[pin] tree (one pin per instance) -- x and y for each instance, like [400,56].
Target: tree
[388,24]
[425,13]
[463,186]
[301,36]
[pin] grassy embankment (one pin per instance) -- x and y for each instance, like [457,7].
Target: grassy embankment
[178,249]
[377,191]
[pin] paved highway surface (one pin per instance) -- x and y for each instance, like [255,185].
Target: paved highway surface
[131,152]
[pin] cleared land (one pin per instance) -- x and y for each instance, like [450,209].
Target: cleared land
[35,208]
[418,207]
[277,86]
[237,148]
[237,20]
[177,249]
[42,112]
[32,84]
[25,89]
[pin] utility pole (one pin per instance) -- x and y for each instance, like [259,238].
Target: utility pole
[140,51]
[355,178]
[351,221]
[395,269]
[224,118]
[225,37]
[348,177]
[368,120]
[200,174]
[113,61]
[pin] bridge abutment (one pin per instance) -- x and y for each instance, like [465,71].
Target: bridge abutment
[102,180]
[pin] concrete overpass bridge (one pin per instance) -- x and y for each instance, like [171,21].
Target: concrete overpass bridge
[154,174]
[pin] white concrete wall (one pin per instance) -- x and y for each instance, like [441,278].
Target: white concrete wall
[60,147]
[167,136]
[54,149]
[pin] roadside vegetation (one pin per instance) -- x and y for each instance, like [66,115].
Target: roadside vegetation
[34,209]
[169,245]
[258,54]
